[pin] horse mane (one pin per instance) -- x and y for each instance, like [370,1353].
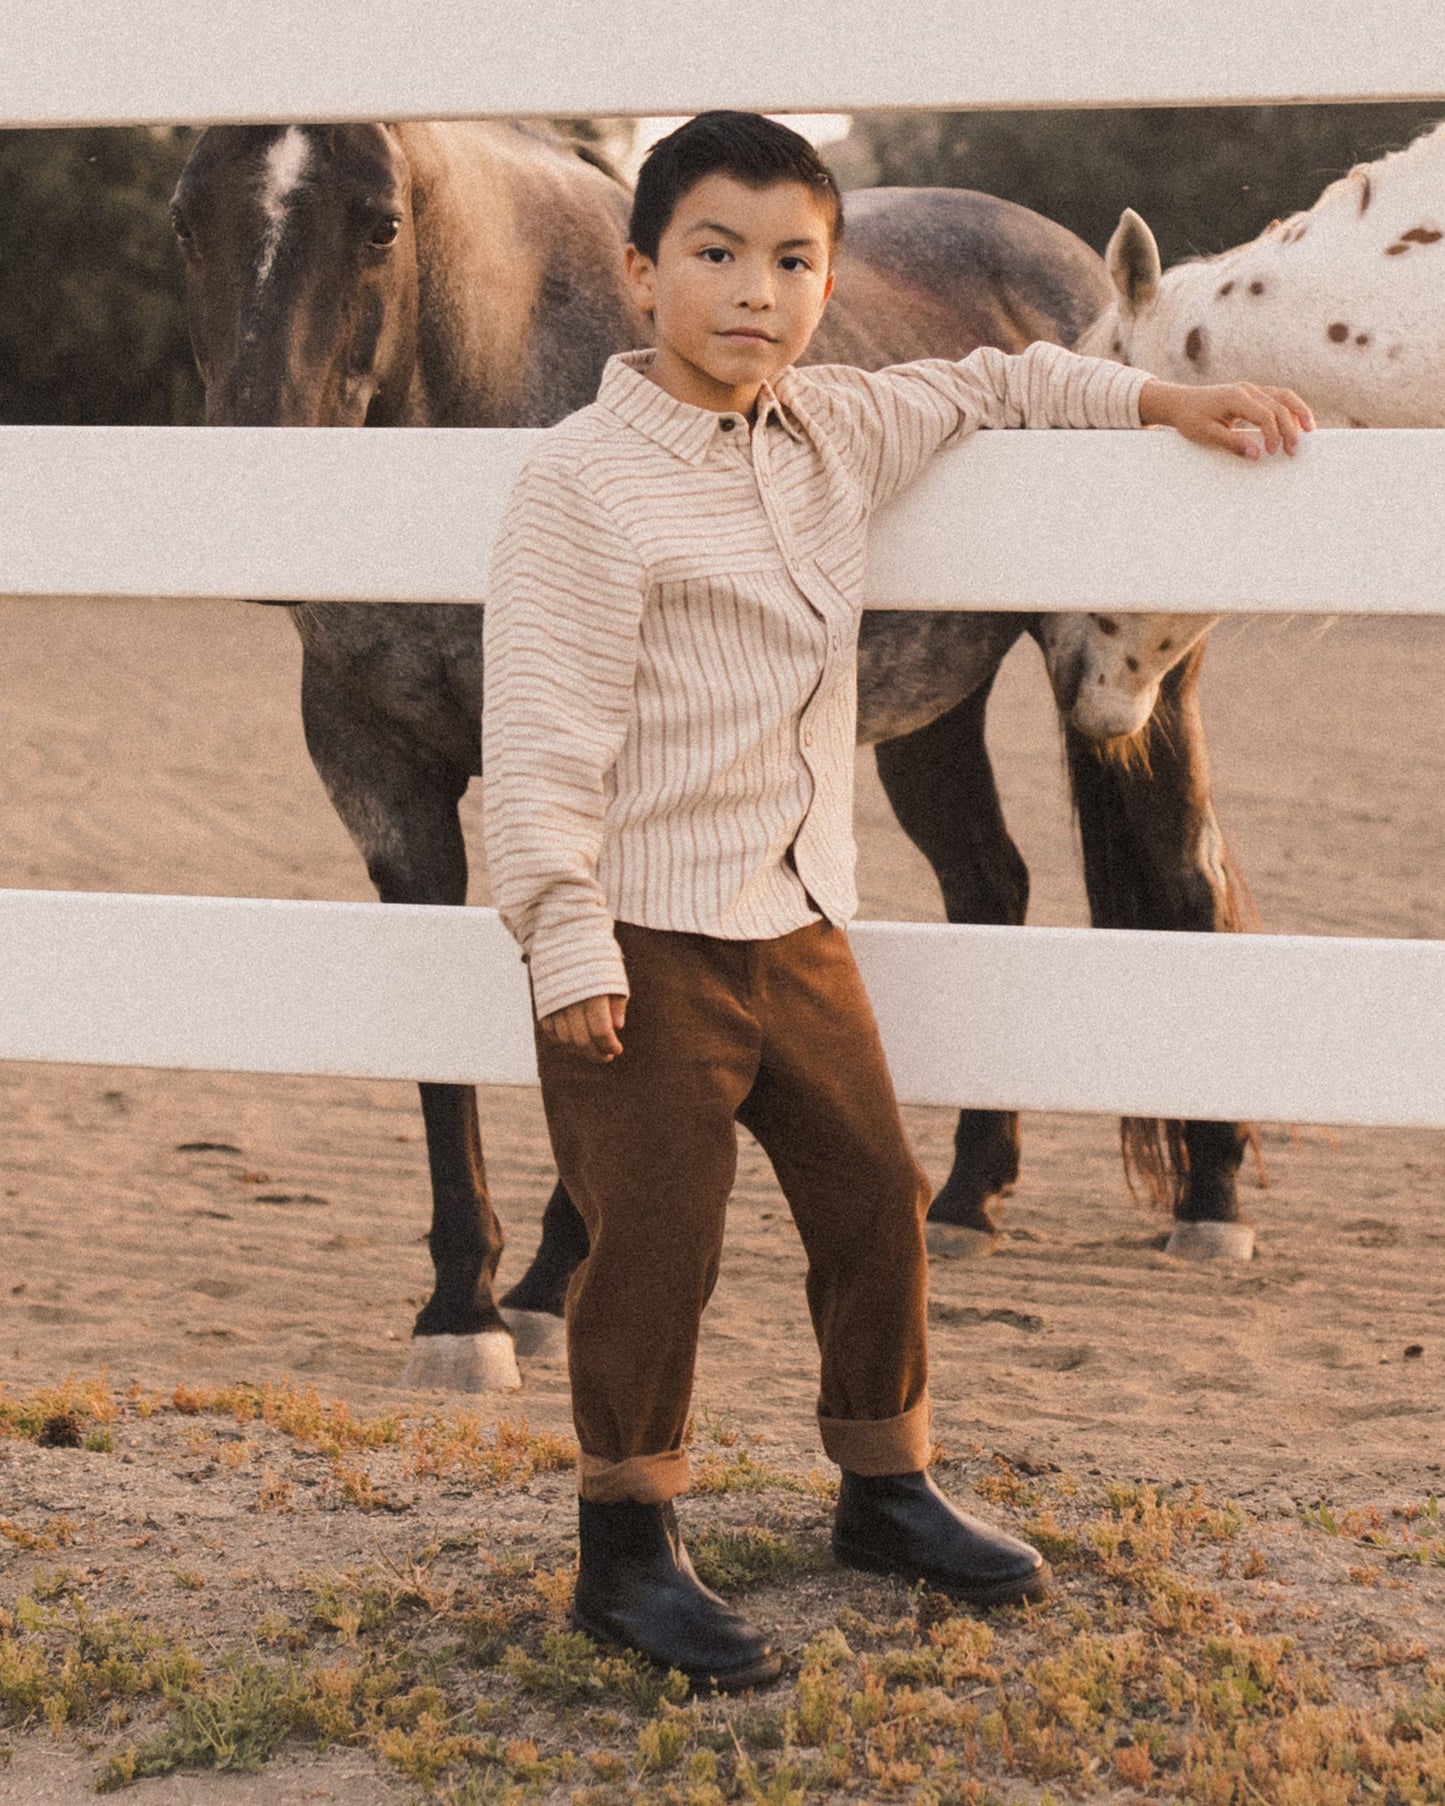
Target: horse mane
[543,132]
[1366,178]
[1156,1157]
[590,154]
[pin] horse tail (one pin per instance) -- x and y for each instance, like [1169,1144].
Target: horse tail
[1128,889]
[1156,1160]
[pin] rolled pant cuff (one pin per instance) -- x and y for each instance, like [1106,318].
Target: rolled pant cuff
[643,1479]
[883,1445]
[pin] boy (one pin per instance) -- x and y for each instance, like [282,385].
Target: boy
[668,749]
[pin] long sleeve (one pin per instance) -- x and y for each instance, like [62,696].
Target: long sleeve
[560,654]
[900,416]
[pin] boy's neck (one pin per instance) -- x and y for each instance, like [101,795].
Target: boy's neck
[684,381]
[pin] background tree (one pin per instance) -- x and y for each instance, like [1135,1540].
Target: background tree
[92,322]
[1205,178]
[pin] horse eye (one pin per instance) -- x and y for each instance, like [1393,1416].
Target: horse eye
[179,226]
[385,231]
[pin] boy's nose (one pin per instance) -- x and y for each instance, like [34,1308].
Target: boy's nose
[756,289]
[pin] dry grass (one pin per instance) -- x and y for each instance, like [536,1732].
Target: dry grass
[1160,1672]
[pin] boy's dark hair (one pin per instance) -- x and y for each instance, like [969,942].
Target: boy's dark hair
[747,147]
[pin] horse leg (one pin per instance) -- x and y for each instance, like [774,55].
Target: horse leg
[1154,857]
[533,1307]
[940,783]
[400,808]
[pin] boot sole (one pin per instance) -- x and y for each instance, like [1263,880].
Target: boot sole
[1007,1591]
[700,1681]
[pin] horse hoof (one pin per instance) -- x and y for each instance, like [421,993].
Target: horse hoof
[956,1241]
[484,1363]
[536,1334]
[1212,1241]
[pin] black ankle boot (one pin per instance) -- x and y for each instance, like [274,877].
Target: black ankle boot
[902,1524]
[636,1589]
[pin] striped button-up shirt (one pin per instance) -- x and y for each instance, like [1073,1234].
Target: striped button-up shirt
[670,644]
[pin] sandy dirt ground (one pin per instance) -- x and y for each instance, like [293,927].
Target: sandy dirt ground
[157,747]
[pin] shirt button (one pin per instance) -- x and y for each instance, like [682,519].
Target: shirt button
[728,425]
[762,476]
[807,736]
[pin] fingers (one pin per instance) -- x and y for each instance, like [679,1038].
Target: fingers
[588,1028]
[1229,438]
[602,1036]
[1279,414]
[1298,408]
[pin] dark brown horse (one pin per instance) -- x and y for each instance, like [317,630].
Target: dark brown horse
[468,275]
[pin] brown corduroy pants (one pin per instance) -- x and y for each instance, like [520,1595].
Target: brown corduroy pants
[778,1035]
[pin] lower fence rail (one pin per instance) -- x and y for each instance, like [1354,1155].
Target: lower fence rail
[1302,1029]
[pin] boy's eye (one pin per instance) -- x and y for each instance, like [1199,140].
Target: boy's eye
[796,263]
[716,254]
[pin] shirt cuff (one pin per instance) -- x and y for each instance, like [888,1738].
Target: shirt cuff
[1122,403]
[575,962]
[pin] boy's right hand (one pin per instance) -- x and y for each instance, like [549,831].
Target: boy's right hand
[588,1028]
[1221,414]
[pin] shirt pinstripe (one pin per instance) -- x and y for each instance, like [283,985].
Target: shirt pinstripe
[670,644]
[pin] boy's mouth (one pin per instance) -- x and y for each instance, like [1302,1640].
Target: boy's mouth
[761,338]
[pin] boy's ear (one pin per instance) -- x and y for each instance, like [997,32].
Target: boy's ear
[639,273]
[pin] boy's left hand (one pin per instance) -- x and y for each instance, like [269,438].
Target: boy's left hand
[1221,413]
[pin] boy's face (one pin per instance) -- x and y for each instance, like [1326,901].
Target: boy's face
[740,282]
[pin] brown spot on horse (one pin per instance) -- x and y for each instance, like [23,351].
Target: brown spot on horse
[1420,235]
[1194,345]
[1338,333]
[1256,287]
[1366,193]
[1226,288]
[1362,338]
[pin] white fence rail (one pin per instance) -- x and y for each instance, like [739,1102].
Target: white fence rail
[1007,521]
[1196,1025]
[129,61]
[1289,1028]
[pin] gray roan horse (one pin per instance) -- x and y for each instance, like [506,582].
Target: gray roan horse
[467,275]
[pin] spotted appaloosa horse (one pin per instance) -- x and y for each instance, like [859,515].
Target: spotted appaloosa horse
[470,275]
[1342,303]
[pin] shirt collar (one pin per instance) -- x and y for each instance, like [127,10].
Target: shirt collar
[678,426]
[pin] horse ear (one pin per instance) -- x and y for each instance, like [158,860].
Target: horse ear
[1133,260]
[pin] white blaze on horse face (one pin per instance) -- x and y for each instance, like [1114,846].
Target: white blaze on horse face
[285,166]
